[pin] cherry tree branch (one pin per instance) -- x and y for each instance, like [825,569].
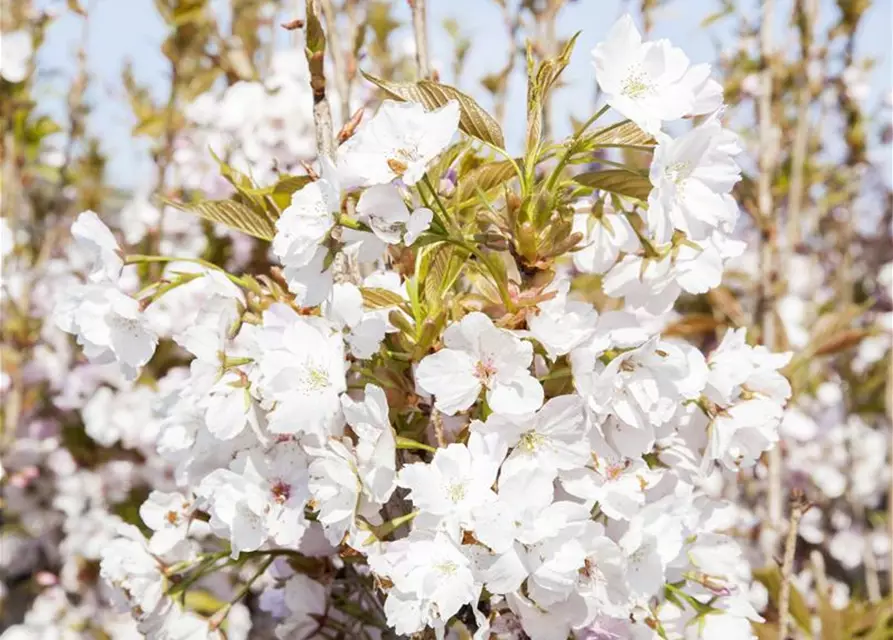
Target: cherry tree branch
[339,65]
[768,254]
[420,30]
[798,507]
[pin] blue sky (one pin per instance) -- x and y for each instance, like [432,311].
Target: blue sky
[130,29]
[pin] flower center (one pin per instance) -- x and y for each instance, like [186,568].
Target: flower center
[281,491]
[531,441]
[614,469]
[678,172]
[316,379]
[636,85]
[172,517]
[484,371]
[456,492]
[130,326]
[399,160]
[447,568]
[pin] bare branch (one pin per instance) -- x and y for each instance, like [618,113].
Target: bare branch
[801,133]
[420,29]
[799,506]
[315,43]
[339,65]
[768,254]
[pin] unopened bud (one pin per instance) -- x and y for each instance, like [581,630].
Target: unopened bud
[566,245]
[493,241]
[293,25]
[527,241]
[399,320]
[350,126]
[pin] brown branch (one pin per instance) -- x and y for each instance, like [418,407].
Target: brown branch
[420,30]
[315,51]
[809,10]
[889,399]
[798,507]
[339,65]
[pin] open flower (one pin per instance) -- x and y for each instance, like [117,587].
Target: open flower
[458,479]
[648,82]
[432,579]
[692,176]
[383,209]
[97,242]
[300,232]
[17,51]
[302,369]
[479,355]
[552,439]
[109,325]
[400,141]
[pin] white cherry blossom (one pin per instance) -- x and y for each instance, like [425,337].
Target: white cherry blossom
[478,356]
[302,369]
[109,325]
[99,245]
[400,141]
[648,82]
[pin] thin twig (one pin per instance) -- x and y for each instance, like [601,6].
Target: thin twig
[889,397]
[798,508]
[768,255]
[420,30]
[220,615]
[801,132]
[437,423]
[822,588]
[872,581]
[342,81]
[322,113]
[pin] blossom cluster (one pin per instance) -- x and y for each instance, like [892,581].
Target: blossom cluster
[257,127]
[562,495]
[520,462]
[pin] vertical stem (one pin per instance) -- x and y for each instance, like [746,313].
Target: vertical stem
[164,159]
[768,255]
[550,49]
[322,114]
[872,581]
[420,29]
[342,81]
[809,10]
[890,489]
[784,597]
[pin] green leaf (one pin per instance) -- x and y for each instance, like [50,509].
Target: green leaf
[76,7]
[235,215]
[285,185]
[539,82]
[627,134]
[619,181]
[316,37]
[441,265]
[407,443]
[188,11]
[484,178]
[203,602]
[375,298]
[268,201]
[473,120]
[289,184]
